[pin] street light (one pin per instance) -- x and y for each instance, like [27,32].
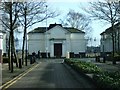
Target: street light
[1,37]
[26,34]
[103,42]
[46,48]
[95,49]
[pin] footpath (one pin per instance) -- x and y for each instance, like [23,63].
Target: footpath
[108,66]
[7,75]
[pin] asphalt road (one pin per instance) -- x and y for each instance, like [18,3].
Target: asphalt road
[52,74]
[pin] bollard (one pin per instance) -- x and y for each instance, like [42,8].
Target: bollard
[31,60]
[34,59]
[95,59]
[20,63]
[104,59]
[98,58]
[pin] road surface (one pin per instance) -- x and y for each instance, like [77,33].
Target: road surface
[51,73]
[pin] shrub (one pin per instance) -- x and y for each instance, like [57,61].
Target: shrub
[108,80]
[104,79]
[86,67]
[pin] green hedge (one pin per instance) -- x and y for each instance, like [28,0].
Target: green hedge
[108,80]
[85,67]
[104,79]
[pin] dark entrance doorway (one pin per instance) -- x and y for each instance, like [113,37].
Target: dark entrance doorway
[58,50]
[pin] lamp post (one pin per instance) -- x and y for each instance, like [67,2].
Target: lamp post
[46,48]
[26,35]
[103,42]
[95,49]
[1,48]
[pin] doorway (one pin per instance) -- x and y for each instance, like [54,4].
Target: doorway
[57,50]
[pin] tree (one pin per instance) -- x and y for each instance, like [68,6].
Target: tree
[30,14]
[105,10]
[10,9]
[79,21]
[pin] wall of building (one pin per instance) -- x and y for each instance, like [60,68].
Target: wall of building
[1,41]
[4,43]
[78,43]
[106,43]
[2,35]
[71,42]
[36,42]
[57,32]
[56,35]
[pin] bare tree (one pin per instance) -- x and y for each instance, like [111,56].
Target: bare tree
[32,13]
[76,20]
[107,11]
[79,21]
[10,9]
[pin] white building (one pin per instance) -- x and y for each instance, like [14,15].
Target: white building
[2,36]
[56,40]
[3,42]
[106,40]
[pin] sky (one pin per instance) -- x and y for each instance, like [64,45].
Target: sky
[63,6]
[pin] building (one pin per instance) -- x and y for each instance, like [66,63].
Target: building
[3,42]
[106,40]
[57,41]
[92,51]
[2,35]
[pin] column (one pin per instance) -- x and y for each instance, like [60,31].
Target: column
[52,49]
[64,49]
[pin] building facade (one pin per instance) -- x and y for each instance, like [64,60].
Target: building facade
[57,41]
[107,42]
[2,35]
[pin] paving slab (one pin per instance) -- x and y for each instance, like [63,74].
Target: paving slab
[7,75]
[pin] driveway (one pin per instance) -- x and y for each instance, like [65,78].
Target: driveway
[51,73]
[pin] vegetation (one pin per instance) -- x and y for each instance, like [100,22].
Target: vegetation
[108,11]
[17,15]
[79,21]
[85,67]
[108,80]
[30,14]
[103,78]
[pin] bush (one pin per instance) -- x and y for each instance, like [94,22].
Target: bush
[70,61]
[108,80]
[85,67]
[103,79]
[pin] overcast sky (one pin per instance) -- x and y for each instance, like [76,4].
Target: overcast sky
[63,6]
